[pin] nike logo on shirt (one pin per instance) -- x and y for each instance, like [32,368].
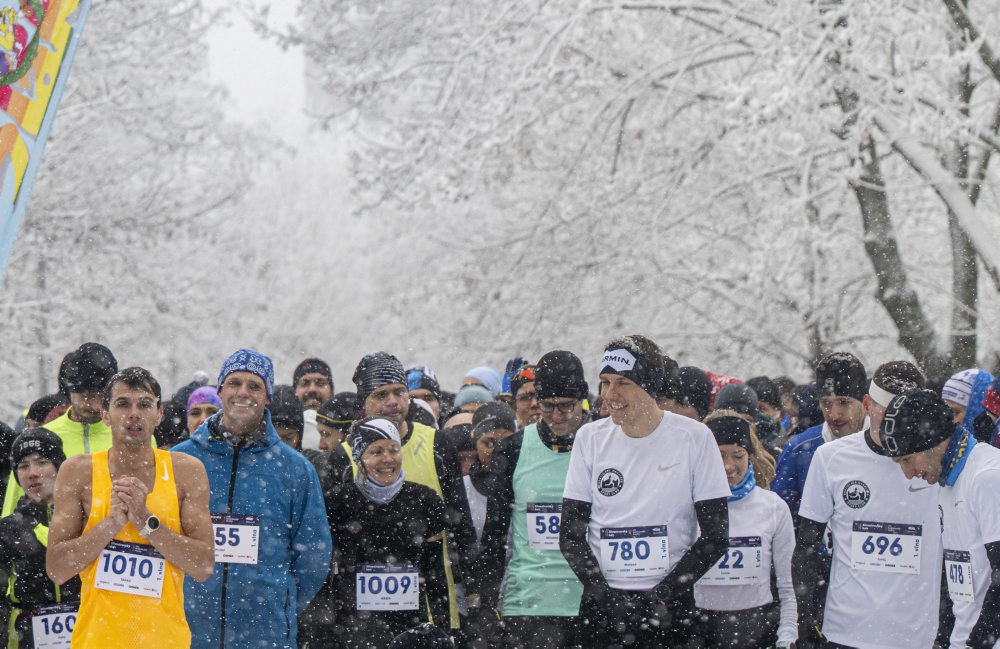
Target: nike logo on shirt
[920,488]
[664,468]
[166,476]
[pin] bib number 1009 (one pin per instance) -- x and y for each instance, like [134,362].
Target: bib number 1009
[390,585]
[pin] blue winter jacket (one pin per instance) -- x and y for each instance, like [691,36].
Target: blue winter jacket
[793,466]
[262,601]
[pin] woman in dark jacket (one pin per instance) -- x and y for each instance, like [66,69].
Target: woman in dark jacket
[33,600]
[388,572]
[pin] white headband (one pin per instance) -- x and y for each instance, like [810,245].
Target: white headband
[880,396]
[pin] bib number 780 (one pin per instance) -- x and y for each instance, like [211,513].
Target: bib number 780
[627,551]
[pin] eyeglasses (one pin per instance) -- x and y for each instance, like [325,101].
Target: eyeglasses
[564,407]
[526,397]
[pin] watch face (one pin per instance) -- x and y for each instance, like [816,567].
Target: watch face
[153,523]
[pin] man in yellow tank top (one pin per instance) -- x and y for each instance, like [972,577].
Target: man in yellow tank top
[132,521]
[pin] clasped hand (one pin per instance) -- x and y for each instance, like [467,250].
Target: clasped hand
[128,501]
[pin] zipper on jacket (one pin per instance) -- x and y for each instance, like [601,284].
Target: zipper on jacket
[225,566]
[86,439]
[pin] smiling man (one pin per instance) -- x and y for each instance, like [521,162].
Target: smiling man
[644,510]
[919,434]
[131,521]
[272,539]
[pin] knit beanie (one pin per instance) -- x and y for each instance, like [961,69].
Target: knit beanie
[841,374]
[472,393]
[36,440]
[376,370]
[204,394]
[527,374]
[493,415]
[340,412]
[766,390]
[739,397]
[87,369]
[915,422]
[247,360]
[991,401]
[423,378]
[696,388]
[559,374]
[488,377]
[959,387]
[312,366]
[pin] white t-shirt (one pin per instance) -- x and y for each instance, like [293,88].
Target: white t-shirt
[477,507]
[310,434]
[971,519]
[642,493]
[885,579]
[760,532]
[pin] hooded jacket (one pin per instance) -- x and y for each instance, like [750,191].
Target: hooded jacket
[256,605]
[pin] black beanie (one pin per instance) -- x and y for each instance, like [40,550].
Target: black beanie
[841,374]
[559,374]
[88,369]
[915,422]
[493,415]
[340,412]
[376,370]
[731,430]
[527,374]
[36,440]
[626,357]
[672,388]
[286,409]
[696,388]
[312,366]
[766,390]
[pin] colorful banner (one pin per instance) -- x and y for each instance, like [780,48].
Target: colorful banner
[38,39]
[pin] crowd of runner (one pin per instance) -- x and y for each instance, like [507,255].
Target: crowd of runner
[664,507]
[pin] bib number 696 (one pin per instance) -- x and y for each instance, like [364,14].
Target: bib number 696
[881,544]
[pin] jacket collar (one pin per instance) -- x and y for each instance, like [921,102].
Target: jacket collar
[206,439]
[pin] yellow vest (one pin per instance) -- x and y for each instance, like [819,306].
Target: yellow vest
[112,619]
[419,468]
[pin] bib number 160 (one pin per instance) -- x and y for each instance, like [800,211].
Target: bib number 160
[627,551]
[57,624]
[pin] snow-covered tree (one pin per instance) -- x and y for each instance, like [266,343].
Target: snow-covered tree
[753,184]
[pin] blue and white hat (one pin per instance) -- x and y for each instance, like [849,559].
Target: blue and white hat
[247,360]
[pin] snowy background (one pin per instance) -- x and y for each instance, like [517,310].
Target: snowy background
[461,183]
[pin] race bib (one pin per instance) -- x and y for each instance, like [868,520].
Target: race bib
[387,587]
[543,525]
[741,565]
[236,538]
[958,566]
[130,568]
[886,547]
[52,626]
[635,551]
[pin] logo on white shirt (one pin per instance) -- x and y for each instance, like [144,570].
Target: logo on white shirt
[856,494]
[610,482]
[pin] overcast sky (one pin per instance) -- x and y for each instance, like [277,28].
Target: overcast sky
[265,83]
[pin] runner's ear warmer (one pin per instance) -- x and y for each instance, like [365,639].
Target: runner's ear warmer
[915,422]
[647,373]
[731,430]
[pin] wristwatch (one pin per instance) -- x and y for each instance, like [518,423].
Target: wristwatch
[152,524]
[785,644]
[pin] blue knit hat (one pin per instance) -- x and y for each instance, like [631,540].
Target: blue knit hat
[247,360]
